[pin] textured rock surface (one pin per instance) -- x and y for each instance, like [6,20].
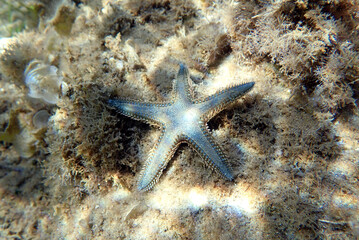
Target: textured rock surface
[292,141]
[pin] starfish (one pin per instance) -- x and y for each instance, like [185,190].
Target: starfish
[182,119]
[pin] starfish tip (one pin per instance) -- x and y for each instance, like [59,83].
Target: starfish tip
[249,85]
[183,69]
[111,102]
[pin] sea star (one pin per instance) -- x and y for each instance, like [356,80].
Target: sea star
[183,119]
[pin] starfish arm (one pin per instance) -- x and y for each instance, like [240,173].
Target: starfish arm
[157,162]
[146,112]
[217,102]
[181,87]
[202,141]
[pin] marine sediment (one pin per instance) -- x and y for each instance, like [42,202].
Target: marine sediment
[70,162]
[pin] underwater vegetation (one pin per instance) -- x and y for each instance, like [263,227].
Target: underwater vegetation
[16,16]
[70,163]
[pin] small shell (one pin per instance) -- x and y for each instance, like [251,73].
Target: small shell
[43,81]
[40,119]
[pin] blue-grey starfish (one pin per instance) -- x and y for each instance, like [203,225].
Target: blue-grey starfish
[183,119]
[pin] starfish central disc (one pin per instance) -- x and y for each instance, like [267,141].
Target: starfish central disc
[190,115]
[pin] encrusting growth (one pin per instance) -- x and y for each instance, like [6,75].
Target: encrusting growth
[183,119]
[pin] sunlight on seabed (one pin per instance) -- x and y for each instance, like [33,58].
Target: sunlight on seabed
[242,201]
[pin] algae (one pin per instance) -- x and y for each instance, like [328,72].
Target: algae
[12,129]
[292,142]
